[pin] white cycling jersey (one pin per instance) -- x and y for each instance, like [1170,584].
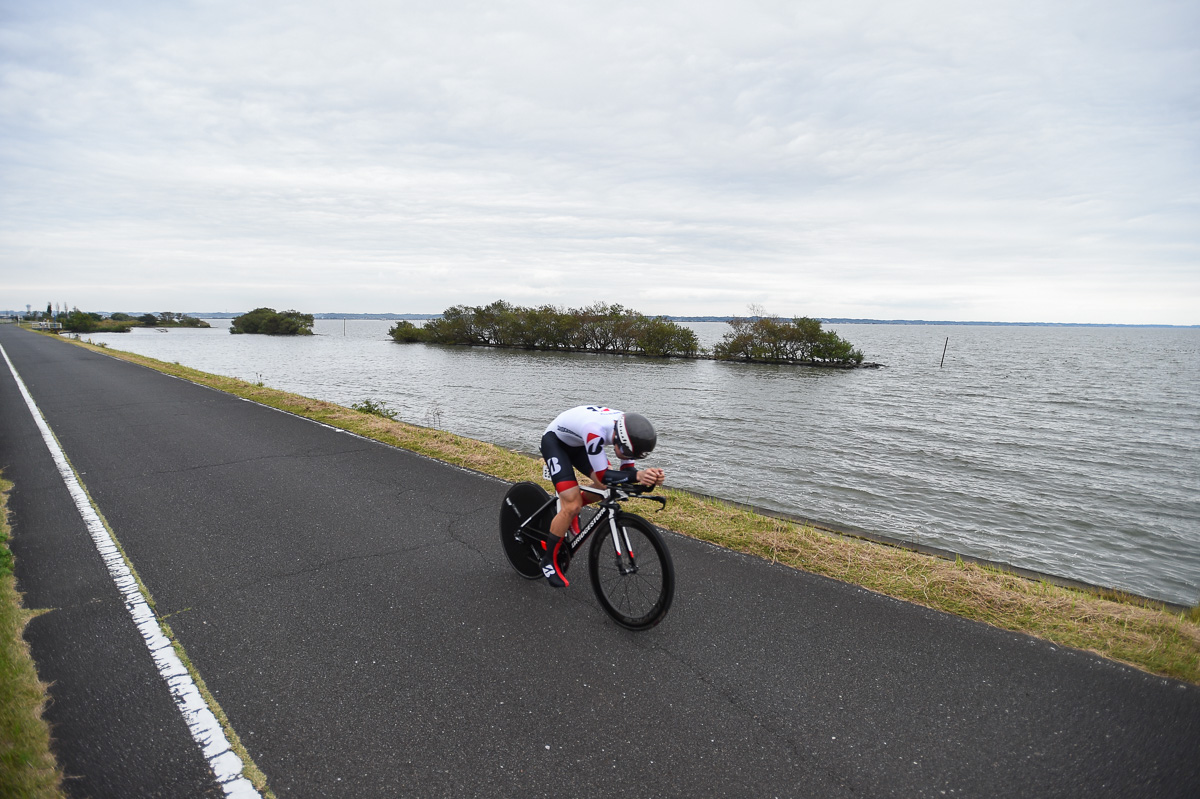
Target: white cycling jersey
[590,427]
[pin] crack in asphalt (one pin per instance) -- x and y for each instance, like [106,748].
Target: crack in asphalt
[219,464]
[137,405]
[417,546]
[774,732]
[325,564]
[460,538]
[259,458]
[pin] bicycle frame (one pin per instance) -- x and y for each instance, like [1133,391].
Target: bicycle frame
[609,506]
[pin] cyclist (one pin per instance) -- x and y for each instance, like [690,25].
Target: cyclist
[576,440]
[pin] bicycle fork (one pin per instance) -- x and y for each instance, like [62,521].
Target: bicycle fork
[622,547]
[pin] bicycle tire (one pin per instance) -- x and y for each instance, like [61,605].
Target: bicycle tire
[522,500]
[640,599]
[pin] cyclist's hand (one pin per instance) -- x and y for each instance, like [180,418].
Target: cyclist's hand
[651,477]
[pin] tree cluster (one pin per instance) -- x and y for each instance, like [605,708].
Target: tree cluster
[768,339]
[78,321]
[273,323]
[170,319]
[599,327]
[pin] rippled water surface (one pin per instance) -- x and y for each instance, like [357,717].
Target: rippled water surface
[1072,451]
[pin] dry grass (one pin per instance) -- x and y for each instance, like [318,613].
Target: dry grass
[1136,632]
[27,767]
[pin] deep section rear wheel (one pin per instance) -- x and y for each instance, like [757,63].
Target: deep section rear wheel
[521,501]
[633,578]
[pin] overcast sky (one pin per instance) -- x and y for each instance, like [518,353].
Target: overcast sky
[1004,161]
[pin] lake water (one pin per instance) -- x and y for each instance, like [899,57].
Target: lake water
[1070,451]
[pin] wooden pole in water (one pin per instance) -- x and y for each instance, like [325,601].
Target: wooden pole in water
[947,344]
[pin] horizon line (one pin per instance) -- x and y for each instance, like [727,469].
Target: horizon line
[826,319]
[327,315]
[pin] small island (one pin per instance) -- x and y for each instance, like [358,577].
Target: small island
[270,322]
[766,338]
[616,330]
[601,328]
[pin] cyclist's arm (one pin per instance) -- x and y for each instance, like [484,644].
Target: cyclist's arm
[631,474]
[647,477]
[616,477]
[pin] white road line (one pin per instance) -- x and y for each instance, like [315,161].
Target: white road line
[226,766]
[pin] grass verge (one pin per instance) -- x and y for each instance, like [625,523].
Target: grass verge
[27,767]
[1134,631]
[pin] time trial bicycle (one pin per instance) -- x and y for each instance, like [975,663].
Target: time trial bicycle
[629,565]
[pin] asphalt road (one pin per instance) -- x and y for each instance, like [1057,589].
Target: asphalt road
[352,611]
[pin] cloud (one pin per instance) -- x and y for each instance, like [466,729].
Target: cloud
[916,159]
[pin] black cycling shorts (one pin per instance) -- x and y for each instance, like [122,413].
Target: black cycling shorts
[561,458]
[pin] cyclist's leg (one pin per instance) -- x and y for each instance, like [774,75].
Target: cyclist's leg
[570,503]
[561,462]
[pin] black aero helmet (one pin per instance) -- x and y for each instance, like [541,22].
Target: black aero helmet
[636,435]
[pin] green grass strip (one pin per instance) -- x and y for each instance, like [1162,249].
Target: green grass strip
[28,769]
[1135,631]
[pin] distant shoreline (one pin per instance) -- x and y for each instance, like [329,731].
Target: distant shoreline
[825,320]
[832,320]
